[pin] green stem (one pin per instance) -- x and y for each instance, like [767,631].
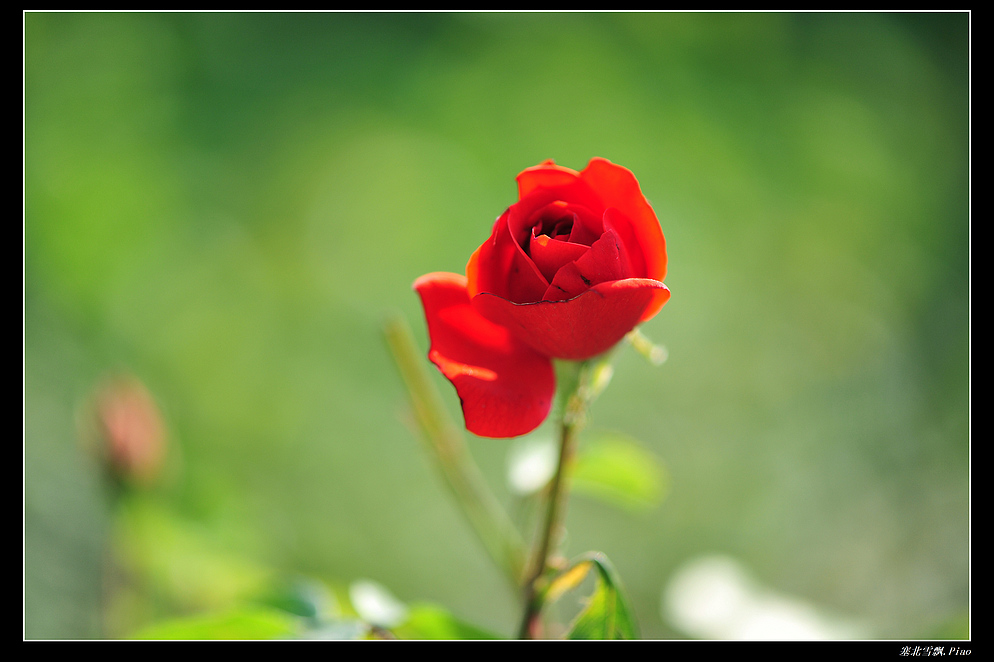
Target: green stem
[586,385]
[446,444]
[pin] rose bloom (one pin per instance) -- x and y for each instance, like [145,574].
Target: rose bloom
[568,270]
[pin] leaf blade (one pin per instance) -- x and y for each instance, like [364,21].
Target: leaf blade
[608,614]
[620,471]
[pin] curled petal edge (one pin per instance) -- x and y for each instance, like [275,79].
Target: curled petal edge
[505,387]
[621,190]
[582,327]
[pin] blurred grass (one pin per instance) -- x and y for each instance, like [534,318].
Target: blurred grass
[226,205]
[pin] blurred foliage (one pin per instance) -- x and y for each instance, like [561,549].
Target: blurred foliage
[243,624]
[225,206]
[617,470]
[433,622]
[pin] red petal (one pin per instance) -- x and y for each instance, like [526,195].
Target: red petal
[505,387]
[603,262]
[545,175]
[618,188]
[578,328]
[548,182]
[623,229]
[550,255]
[567,284]
[500,266]
[659,299]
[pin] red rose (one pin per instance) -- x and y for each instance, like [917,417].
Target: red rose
[568,270]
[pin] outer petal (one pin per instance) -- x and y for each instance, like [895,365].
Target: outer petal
[545,175]
[548,182]
[506,388]
[581,327]
[619,189]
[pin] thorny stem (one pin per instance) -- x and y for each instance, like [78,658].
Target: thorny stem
[586,386]
[581,383]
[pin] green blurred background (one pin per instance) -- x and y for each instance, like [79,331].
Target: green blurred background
[227,206]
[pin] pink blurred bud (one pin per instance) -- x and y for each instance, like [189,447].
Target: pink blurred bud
[132,429]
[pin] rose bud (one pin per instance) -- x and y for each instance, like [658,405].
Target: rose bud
[132,430]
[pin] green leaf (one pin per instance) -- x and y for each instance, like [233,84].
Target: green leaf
[303,597]
[607,614]
[241,624]
[433,622]
[620,471]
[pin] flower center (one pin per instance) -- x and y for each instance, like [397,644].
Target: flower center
[556,222]
[558,229]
